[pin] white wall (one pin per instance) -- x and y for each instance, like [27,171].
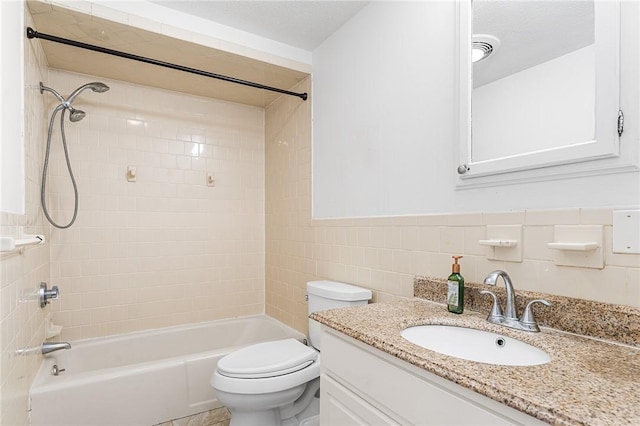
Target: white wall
[383,105]
[384,140]
[559,93]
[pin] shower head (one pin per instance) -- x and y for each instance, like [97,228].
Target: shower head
[96,86]
[75,114]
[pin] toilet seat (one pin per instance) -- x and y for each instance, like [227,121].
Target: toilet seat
[269,359]
[267,367]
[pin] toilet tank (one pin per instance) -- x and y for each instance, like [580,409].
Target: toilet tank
[329,295]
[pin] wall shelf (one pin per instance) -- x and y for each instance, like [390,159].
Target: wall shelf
[579,246]
[590,246]
[503,242]
[9,244]
[498,243]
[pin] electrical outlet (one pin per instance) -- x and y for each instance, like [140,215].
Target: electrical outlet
[626,231]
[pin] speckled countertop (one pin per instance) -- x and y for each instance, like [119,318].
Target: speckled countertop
[587,382]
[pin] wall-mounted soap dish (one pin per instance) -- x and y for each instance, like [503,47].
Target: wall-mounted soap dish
[504,243]
[590,246]
[578,245]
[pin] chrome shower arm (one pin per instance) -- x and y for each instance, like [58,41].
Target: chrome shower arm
[50,90]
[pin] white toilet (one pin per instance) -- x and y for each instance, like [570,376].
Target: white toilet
[275,383]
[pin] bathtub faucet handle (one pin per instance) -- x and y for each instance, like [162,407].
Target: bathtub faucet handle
[45,294]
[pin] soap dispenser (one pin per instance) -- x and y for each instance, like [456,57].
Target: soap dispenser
[455,288]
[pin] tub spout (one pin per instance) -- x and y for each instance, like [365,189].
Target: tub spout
[48,347]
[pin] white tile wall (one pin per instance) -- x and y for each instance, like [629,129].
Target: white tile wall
[166,249]
[21,319]
[384,254]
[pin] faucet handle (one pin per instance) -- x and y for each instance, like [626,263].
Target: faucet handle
[45,294]
[496,311]
[527,315]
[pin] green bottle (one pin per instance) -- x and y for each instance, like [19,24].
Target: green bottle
[455,288]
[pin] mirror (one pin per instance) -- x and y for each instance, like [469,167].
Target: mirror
[546,94]
[542,72]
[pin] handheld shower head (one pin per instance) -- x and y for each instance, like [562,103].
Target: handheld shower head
[96,86]
[74,115]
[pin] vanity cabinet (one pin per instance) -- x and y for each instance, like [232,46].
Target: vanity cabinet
[361,385]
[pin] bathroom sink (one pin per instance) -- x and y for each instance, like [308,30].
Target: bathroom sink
[475,345]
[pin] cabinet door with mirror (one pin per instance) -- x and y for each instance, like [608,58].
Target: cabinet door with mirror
[539,87]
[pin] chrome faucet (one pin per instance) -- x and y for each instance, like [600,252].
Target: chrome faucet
[48,347]
[510,319]
[510,307]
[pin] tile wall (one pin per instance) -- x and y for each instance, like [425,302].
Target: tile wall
[289,236]
[385,254]
[166,249]
[21,319]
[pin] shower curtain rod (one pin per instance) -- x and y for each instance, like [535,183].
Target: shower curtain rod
[31,33]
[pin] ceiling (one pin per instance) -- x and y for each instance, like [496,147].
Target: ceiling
[530,33]
[92,30]
[300,23]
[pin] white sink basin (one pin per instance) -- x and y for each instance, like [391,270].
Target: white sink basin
[475,345]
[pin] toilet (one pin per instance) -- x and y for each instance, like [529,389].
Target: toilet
[275,383]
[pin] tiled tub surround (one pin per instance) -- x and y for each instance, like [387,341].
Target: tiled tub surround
[166,249]
[588,381]
[21,319]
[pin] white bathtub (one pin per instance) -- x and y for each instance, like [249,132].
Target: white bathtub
[142,378]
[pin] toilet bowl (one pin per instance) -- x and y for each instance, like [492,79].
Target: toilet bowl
[264,384]
[276,383]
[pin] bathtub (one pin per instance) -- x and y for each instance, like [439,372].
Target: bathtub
[142,378]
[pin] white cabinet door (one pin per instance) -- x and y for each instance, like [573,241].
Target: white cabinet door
[340,406]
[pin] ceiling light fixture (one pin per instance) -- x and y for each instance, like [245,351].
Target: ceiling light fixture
[483,45]
[480,51]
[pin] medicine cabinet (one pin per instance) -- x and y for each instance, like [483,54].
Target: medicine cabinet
[545,102]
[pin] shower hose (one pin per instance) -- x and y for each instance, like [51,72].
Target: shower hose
[46,167]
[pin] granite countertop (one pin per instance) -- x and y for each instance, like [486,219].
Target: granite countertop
[587,382]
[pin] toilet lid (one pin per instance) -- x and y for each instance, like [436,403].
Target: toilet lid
[267,359]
